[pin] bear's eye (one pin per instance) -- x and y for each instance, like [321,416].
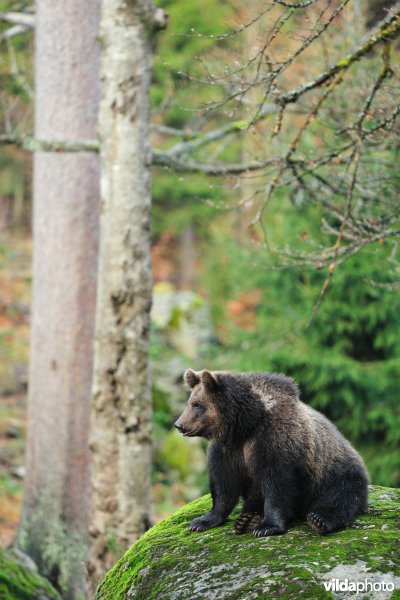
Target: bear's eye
[198,406]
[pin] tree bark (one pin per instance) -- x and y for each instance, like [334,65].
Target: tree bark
[121,414]
[65,227]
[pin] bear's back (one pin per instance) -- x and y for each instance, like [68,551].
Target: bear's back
[331,448]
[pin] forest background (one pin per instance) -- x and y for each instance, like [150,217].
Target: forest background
[222,298]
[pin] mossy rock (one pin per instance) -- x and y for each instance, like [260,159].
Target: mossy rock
[19,579]
[172,563]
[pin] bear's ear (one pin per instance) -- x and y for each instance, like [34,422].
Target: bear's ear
[191,378]
[209,381]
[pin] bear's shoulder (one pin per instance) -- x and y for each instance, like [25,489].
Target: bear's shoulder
[263,382]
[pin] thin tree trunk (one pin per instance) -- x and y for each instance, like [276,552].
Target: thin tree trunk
[121,418]
[65,224]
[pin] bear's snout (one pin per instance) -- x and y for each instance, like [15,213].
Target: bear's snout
[180,427]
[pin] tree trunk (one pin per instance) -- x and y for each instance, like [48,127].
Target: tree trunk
[65,223]
[121,417]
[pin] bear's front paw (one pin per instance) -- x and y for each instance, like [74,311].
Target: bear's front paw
[203,523]
[266,530]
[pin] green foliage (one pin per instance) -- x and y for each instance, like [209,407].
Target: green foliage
[188,36]
[59,554]
[179,472]
[16,73]
[161,407]
[16,107]
[177,453]
[113,547]
[178,101]
[8,485]
[347,363]
[182,201]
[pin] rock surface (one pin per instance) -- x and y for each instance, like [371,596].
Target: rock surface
[169,562]
[19,579]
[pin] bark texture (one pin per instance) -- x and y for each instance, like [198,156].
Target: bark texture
[121,419]
[65,223]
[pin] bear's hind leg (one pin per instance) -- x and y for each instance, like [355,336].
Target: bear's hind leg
[319,523]
[339,506]
[252,512]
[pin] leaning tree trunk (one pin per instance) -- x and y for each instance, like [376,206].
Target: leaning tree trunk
[65,222]
[121,414]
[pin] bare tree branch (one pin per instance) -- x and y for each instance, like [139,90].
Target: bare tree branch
[21,22]
[179,165]
[13,31]
[389,28]
[220,132]
[32,145]
[296,4]
[19,18]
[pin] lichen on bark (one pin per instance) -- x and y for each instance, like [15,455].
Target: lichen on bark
[170,562]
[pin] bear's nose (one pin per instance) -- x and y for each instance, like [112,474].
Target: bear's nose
[179,427]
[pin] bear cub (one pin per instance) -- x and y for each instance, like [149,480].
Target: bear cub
[286,460]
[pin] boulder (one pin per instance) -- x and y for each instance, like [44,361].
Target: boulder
[19,579]
[172,563]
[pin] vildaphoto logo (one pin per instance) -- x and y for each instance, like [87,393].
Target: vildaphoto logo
[360,587]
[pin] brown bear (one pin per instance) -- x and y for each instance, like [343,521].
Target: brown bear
[286,460]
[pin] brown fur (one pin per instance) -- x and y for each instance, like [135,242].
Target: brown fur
[285,459]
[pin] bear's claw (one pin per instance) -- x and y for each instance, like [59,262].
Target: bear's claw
[267,531]
[196,528]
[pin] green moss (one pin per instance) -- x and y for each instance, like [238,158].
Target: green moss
[169,561]
[19,582]
[240,125]
[343,64]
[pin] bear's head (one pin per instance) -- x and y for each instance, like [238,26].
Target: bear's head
[200,417]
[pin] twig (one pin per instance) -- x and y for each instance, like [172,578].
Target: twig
[347,215]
